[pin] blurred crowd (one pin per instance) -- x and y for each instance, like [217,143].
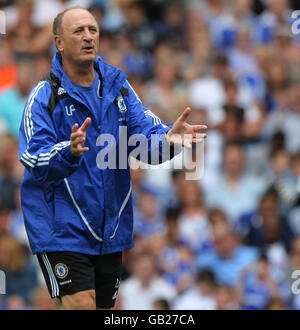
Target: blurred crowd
[230,240]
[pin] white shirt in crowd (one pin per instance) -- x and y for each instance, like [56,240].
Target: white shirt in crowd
[192,299]
[134,296]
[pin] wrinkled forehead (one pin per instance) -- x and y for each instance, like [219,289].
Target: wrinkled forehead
[77,17]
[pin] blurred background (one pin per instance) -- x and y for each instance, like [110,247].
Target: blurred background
[228,241]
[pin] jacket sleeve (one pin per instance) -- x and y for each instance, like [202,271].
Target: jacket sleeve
[46,158]
[144,125]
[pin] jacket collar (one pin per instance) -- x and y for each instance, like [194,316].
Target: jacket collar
[111,78]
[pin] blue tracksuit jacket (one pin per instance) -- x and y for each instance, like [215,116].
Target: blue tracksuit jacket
[68,202]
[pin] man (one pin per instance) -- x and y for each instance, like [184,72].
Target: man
[79,217]
[237,191]
[228,257]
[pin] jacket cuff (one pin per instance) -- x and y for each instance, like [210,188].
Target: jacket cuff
[69,157]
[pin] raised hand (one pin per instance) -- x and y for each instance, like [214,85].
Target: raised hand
[78,136]
[184,134]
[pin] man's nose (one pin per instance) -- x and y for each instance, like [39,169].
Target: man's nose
[87,35]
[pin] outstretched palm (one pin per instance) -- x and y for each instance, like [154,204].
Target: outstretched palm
[184,134]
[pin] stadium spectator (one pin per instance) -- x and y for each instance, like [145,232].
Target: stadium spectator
[174,258]
[286,119]
[171,27]
[275,304]
[252,119]
[243,62]
[226,298]
[267,228]
[277,80]
[293,201]
[5,223]
[194,226]
[144,286]
[228,257]
[8,68]
[277,11]
[160,304]
[148,219]
[13,100]
[8,169]
[266,225]
[25,36]
[164,94]
[20,271]
[257,286]
[237,192]
[210,84]
[200,296]
[136,24]
[198,47]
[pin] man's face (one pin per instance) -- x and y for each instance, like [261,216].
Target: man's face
[79,41]
[233,160]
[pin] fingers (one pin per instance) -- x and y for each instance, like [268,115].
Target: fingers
[198,128]
[85,149]
[85,124]
[77,134]
[77,140]
[186,140]
[83,127]
[82,149]
[78,151]
[77,147]
[199,136]
[74,128]
[188,144]
[198,139]
[78,137]
[183,117]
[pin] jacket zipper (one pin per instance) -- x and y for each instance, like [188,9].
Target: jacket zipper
[121,210]
[80,213]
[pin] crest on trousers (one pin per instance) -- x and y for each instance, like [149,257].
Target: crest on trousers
[121,104]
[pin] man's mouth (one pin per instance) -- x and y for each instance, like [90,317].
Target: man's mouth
[87,48]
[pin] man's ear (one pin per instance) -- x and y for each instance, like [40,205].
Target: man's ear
[58,42]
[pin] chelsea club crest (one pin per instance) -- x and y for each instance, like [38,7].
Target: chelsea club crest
[121,104]
[61,270]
